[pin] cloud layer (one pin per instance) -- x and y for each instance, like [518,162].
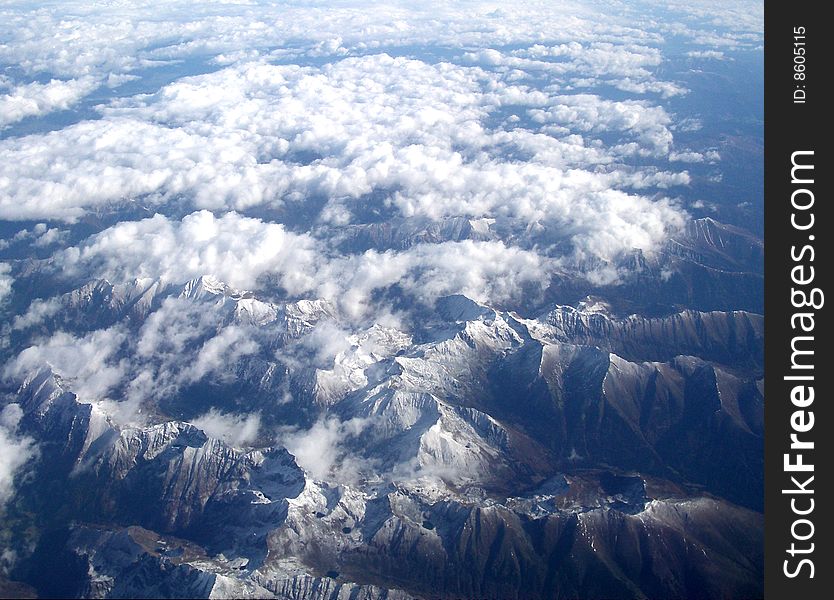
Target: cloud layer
[366,162]
[238,250]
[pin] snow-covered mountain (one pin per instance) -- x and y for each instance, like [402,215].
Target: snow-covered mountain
[479,453]
[366,301]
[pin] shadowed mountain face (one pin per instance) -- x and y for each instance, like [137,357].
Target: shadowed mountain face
[358,302]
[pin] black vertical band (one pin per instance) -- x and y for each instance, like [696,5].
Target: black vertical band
[798,416]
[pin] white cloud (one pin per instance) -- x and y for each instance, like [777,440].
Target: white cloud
[484,271]
[639,120]
[90,362]
[176,325]
[235,430]
[238,138]
[235,249]
[241,250]
[182,341]
[412,131]
[227,347]
[6,281]
[62,174]
[324,451]
[686,156]
[35,99]
[688,124]
[737,24]
[325,342]
[512,127]
[15,450]
[714,54]
[38,311]
[79,38]
[246,252]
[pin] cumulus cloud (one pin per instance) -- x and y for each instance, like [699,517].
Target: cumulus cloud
[638,120]
[325,342]
[62,174]
[232,138]
[278,128]
[269,134]
[241,250]
[34,99]
[323,450]
[235,249]
[38,311]
[16,450]
[6,281]
[91,363]
[229,346]
[175,326]
[714,54]
[39,236]
[123,371]
[627,67]
[413,133]
[735,25]
[484,271]
[235,430]
[183,341]
[79,38]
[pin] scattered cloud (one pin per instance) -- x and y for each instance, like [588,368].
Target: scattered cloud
[90,362]
[35,99]
[38,311]
[16,450]
[638,120]
[714,54]
[235,430]
[413,136]
[324,452]
[484,271]
[227,347]
[237,250]
[6,281]
[259,135]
